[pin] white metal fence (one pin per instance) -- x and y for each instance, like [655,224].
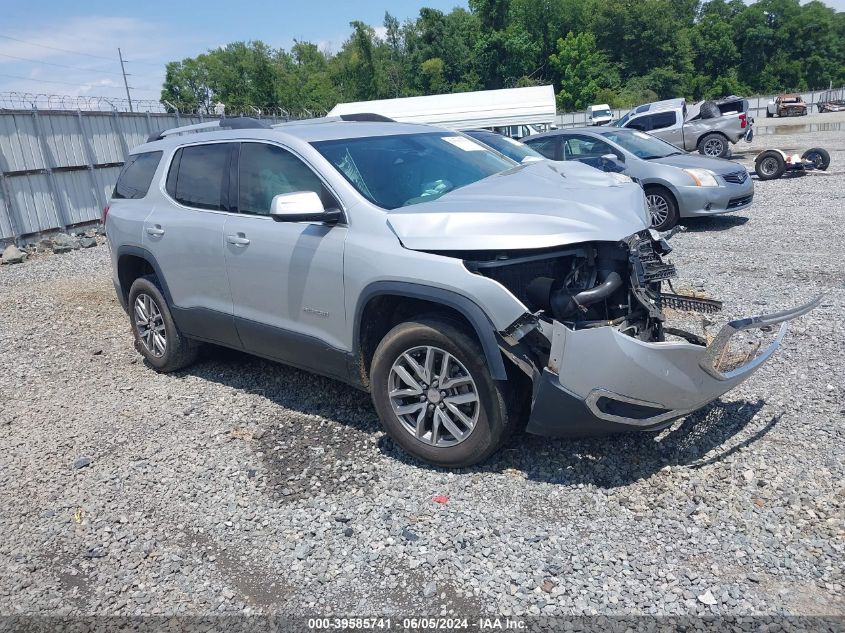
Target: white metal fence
[756,107]
[58,167]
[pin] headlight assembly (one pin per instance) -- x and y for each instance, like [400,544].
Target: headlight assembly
[702,177]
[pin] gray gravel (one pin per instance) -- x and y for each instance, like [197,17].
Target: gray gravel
[243,486]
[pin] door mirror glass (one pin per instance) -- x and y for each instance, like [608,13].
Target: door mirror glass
[301,206]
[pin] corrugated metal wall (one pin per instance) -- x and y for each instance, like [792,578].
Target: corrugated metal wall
[58,168]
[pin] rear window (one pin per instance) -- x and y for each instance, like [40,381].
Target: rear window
[199,176]
[662,120]
[137,174]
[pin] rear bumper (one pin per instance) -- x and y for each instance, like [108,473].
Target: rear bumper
[601,381]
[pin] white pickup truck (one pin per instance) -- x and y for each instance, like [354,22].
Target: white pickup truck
[707,126]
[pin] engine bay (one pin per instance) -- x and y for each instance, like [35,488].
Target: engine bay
[591,284]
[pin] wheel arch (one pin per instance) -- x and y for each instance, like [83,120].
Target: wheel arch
[382,302]
[134,262]
[710,133]
[665,186]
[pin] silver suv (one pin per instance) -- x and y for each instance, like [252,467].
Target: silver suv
[470,295]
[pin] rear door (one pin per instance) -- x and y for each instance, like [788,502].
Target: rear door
[286,277]
[185,235]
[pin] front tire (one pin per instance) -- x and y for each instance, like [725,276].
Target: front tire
[434,394]
[662,208]
[157,338]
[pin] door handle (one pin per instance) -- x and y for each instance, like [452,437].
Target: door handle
[237,240]
[155,230]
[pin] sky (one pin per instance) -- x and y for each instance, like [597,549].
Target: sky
[152,32]
[70,48]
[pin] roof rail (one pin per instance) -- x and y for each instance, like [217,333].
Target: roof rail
[233,123]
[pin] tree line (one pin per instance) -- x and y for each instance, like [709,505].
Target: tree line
[621,52]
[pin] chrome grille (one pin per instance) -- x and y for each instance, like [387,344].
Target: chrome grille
[736,177]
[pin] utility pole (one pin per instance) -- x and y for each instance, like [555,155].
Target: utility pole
[125,83]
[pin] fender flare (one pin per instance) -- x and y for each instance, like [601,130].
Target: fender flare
[143,253]
[470,310]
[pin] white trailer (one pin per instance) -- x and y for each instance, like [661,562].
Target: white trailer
[512,111]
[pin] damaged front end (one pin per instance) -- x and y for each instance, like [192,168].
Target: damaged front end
[595,340]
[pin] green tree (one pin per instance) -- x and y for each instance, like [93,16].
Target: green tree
[622,52]
[582,71]
[186,87]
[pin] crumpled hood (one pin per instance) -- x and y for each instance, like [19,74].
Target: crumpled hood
[689,161]
[538,205]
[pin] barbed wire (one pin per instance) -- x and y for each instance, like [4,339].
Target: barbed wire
[45,101]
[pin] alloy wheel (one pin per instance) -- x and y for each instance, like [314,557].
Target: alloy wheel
[433,396]
[658,206]
[713,147]
[150,325]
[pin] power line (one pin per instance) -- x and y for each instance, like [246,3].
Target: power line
[54,48]
[65,50]
[38,61]
[67,83]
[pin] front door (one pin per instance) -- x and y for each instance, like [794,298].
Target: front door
[286,278]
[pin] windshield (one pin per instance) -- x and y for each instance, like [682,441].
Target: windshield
[404,169]
[621,122]
[640,144]
[601,113]
[512,149]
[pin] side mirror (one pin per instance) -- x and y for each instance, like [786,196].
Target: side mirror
[612,163]
[301,206]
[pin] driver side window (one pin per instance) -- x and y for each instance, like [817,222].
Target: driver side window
[265,171]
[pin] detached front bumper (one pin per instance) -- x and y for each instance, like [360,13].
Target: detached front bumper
[600,381]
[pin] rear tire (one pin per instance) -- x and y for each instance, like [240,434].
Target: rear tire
[157,338]
[713,145]
[409,418]
[818,156]
[769,165]
[662,208]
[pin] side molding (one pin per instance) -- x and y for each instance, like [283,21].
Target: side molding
[475,315]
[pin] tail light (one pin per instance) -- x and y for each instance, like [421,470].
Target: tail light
[106,212]
[743,120]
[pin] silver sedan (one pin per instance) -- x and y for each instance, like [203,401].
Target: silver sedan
[677,184]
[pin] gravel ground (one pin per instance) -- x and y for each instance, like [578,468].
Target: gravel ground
[243,486]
